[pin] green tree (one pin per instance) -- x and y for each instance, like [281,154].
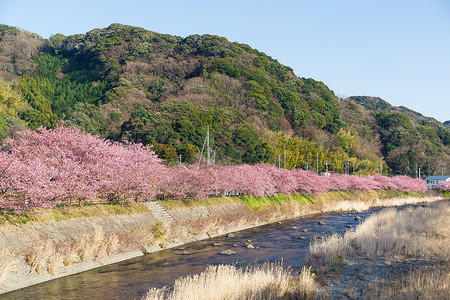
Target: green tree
[246,137]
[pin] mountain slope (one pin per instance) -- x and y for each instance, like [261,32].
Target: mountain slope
[125,82]
[406,139]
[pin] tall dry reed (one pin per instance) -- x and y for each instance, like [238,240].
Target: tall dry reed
[51,255]
[225,282]
[6,263]
[413,232]
[423,283]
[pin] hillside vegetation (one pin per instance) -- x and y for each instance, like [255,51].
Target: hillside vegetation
[128,83]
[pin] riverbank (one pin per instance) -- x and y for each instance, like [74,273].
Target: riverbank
[395,254]
[49,248]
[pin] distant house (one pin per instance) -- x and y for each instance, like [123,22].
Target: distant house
[325,173]
[433,181]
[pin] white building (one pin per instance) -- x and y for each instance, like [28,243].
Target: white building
[433,181]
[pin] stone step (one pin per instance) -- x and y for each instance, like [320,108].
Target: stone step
[159,212]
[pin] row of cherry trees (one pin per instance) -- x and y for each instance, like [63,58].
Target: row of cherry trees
[65,166]
[266,180]
[444,186]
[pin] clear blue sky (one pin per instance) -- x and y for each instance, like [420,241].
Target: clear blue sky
[398,50]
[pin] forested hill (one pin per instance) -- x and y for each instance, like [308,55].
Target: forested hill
[125,82]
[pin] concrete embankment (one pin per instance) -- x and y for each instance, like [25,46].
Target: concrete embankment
[35,253]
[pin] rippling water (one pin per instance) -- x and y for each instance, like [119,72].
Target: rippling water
[132,278]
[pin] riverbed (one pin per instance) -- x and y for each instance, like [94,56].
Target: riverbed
[285,241]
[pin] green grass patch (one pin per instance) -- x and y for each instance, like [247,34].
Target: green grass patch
[259,203]
[158,230]
[303,199]
[180,203]
[58,214]
[255,203]
[446,194]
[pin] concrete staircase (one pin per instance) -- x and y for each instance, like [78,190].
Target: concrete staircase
[159,212]
[162,215]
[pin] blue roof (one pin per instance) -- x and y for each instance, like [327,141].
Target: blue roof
[437,178]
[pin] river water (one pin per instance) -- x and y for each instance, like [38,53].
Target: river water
[286,241]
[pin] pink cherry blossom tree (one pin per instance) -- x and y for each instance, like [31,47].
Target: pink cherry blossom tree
[49,167]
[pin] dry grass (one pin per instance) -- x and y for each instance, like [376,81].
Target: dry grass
[418,233]
[141,236]
[43,257]
[403,201]
[97,246]
[413,232]
[269,209]
[359,205]
[6,263]
[422,283]
[50,256]
[270,281]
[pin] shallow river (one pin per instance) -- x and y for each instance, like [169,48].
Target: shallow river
[132,278]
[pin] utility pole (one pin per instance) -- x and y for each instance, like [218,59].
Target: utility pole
[208,155]
[317,163]
[279,161]
[307,166]
[348,166]
[284,158]
[419,172]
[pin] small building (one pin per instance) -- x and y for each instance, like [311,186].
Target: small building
[325,173]
[433,181]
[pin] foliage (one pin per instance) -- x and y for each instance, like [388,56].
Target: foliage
[393,120]
[267,180]
[37,91]
[348,140]
[372,103]
[11,102]
[407,144]
[128,83]
[180,127]
[63,165]
[444,186]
